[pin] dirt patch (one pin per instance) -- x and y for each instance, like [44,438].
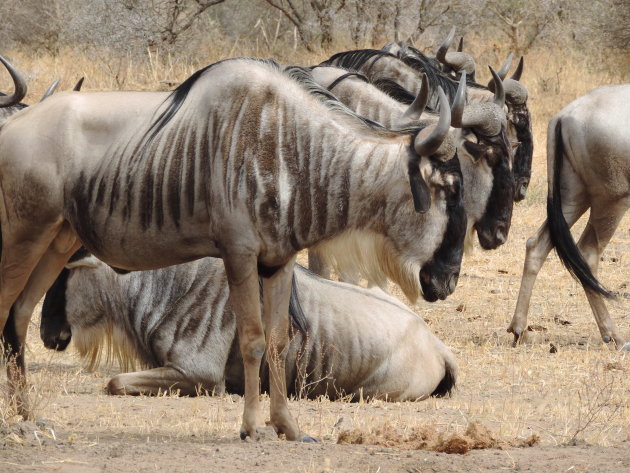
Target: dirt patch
[476,437]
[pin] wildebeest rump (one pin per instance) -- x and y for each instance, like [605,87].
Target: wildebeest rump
[588,167]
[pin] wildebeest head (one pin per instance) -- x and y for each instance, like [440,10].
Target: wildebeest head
[520,129]
[486,142]
[55,329]
[456,62]
[438,277]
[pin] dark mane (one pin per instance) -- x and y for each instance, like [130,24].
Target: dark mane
[177,97]
[435,77]
[303,76]
[344,77]
[394,90]
[420,62]
[353,60]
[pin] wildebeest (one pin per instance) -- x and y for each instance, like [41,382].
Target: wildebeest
[347,341]
[588,167]
[239,162]
[380,67]
[485,160]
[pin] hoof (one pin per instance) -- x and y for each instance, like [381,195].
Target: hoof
[606,339]
[308,439]
[243,434]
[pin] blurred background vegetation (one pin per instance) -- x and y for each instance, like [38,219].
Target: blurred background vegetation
[570,46]
[277,27]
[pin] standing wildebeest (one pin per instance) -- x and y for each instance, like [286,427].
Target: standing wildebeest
[488,180]
[239,162]
[178,322]
[382,67]
[588,167]
[485,161]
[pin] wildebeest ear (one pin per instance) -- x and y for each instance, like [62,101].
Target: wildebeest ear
[419,189]
[477,151]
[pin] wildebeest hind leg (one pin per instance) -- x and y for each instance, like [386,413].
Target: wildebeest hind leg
[47,266]
[602,223]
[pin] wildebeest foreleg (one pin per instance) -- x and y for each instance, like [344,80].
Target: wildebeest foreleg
[602,223]
[242,275]
[156,381]
[276,293]
[41,278]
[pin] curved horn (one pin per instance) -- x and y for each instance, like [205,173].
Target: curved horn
[430,145]
[441,52]
[50,89]
[499,93]
[505,67]
[78,85]
[457,109]
[414,112]
[519,70]
[19,83]
[460,47]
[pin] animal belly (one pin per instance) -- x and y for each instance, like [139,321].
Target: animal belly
[143,250]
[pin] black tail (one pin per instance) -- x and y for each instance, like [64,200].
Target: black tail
[560,234]
[446,385]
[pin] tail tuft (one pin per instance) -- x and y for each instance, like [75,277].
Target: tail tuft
[559,231]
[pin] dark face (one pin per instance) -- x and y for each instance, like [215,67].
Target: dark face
[439,276]
[54,330]
[520,118]
[494,226]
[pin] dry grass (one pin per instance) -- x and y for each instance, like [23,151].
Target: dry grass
[579,393]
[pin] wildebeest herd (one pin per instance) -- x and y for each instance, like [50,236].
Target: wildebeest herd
[382,163]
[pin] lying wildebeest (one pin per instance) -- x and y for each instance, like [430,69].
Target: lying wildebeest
[177,321]
[239,162]
[588,167]
[405,69]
